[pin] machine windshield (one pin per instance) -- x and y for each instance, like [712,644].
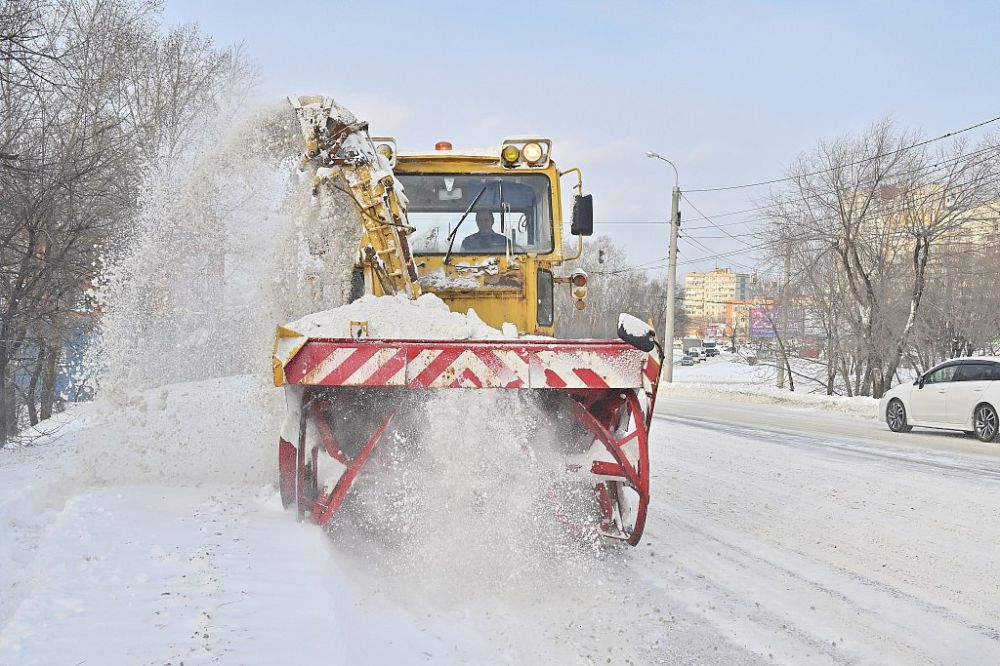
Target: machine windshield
[503,209]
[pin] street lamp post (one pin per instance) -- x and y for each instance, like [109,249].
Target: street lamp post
[675,223]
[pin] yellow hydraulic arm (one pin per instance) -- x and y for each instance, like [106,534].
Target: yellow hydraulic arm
[340,150]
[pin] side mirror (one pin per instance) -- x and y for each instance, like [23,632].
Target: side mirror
[636,332]
[583,215]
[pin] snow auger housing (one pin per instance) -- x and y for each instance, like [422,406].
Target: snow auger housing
[483,231]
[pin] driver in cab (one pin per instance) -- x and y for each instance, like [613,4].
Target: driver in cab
[485,240]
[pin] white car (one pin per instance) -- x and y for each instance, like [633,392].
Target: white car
[961,394]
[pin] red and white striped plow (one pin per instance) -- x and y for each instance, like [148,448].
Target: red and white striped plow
[343,395]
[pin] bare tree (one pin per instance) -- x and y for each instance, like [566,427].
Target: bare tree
[614,286]
[864,219]
[89,90]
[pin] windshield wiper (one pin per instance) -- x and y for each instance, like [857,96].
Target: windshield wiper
[452,235]
[508,242]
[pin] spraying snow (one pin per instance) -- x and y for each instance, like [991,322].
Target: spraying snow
[477,480]
[227,242]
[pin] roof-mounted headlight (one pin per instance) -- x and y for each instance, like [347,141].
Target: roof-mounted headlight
[386,147]
[526,152]
[532,153]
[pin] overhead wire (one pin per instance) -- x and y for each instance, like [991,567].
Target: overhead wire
[924,171]
[890,153]
[695,239]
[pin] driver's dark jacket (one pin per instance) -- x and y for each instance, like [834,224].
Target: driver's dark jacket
[480,242]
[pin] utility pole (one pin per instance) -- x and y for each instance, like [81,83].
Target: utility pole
[675,225]
[783,321]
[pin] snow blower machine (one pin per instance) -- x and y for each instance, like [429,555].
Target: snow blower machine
[482,231]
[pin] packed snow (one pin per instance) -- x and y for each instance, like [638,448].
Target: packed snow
[439,280]
[427,317]
[730,377]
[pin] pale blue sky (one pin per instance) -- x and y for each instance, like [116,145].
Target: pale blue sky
[731,92]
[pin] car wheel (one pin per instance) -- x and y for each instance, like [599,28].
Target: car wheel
[986,422]
[895,416]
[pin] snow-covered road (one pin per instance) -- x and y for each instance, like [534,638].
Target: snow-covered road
[776,535]
[816,538]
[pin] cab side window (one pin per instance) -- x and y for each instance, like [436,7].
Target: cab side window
[945,374]
[975,372]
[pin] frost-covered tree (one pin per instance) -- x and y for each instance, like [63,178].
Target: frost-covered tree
[90,90]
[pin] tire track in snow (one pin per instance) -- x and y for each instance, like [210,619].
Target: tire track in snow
[835,444]
[730,508]
[843,616]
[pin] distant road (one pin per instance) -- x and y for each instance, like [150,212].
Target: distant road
[837,429]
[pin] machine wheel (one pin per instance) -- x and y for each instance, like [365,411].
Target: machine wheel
[986,422]
[895,417]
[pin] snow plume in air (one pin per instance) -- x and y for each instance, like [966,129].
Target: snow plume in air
[471,494]
[226,243]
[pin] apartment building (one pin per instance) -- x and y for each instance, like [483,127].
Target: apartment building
[707,294]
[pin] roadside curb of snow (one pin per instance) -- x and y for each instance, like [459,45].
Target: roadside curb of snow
[861,406]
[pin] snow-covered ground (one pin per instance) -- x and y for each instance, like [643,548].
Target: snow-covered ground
[150,533]
[728,376]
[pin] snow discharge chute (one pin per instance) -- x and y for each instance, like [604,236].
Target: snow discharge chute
[356,373]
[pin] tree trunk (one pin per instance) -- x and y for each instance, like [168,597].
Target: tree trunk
[917,292]
[31,396]
[831,366]
[8,410]
[49,375]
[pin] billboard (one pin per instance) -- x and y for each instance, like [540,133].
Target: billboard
[715,331]
[760,322]
[763,320]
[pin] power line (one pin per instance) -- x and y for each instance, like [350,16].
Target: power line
[712,222]
[924,171]
[722,255]
[937,193]
[862,161]
[806,235]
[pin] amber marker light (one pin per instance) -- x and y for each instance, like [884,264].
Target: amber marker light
[510,154]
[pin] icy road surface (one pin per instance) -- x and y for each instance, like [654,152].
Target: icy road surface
[776,535]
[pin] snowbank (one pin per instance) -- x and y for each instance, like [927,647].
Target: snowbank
[859,406]
[399,317]
[729,380]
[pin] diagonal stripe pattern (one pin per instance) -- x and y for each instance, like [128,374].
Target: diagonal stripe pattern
[479,364]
